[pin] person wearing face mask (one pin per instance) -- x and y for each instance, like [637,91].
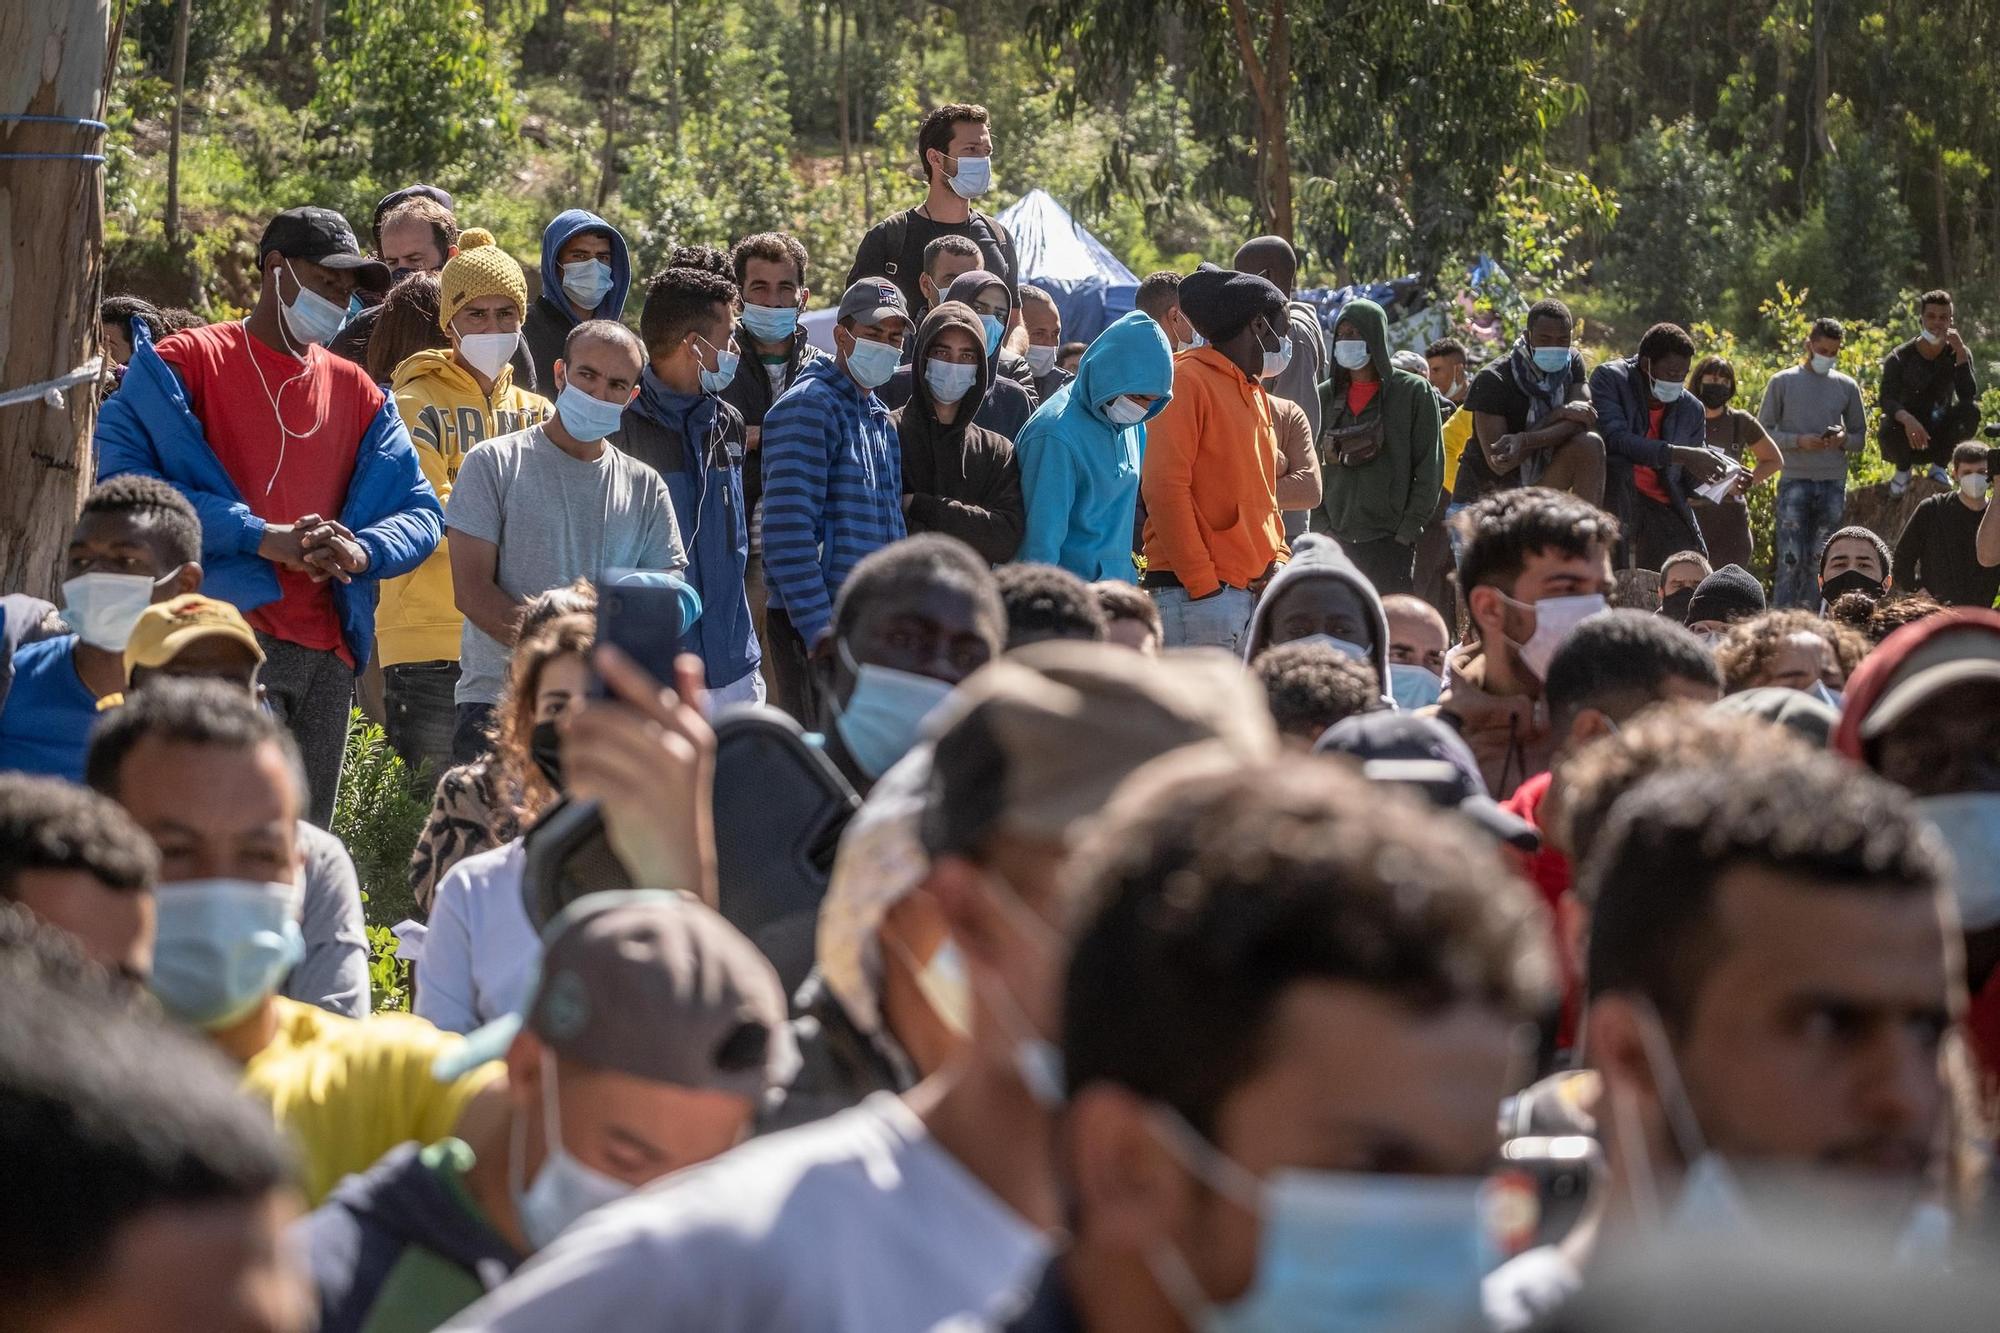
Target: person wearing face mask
[914,620]
[137,542]
[1043,320]
[1532,416]
[1726,597]
[908,1211]
[1770,981]
[1007,399]
[1418,640]
[653,1034]
[1292,1132]
[215,782]
[1159,297]
[959,478]
[1854,560]
[833,484]
[1213,534]
[682,426]
[1319,596]
[476,961]
[1938,551]
[538,508]
[74,860]
[1731,431]
[1813,412]
[1272,258]
[1535,564]
[1381,455]
[1655,445]
[1081,450]
[301,471]
[1680,574]
[451,400]
[1929,397]
[586,275]
[955,162]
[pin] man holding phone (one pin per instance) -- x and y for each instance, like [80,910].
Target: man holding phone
[1814,415]
[542,507]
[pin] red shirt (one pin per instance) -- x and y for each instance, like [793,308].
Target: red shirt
[1645,478]
[1360,393]
[1550,872]
[284,473]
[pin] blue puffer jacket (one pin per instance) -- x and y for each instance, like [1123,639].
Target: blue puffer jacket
[148,428]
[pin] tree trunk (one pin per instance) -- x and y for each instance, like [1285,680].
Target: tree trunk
[1947,270]
[542,46]
[1271,80]
[54,56]
[840,95]
[274,41]
[178,75]
[606,169]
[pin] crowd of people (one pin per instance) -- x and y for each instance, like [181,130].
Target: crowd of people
[1324,835]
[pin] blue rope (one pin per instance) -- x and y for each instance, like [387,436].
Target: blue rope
[51,157]
[27,119]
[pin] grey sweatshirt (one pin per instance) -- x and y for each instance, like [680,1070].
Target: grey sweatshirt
[1798,402]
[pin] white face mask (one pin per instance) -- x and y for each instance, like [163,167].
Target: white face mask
[488,353]
[948,380]
[1275,362]
[1973,486]
[310,317]
[1041,359]
[586,282]
[1555,617]
[1933,339]
[1821,364]
[564,1189]
[1124,412]
[103,608]
[1350,353]
[973,178]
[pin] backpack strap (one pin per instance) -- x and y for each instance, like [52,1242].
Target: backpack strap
[895,235]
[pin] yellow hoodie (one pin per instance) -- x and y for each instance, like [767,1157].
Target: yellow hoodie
[446,416]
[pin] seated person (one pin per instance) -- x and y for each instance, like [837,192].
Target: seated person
[76,861]
[1726,597]
[1418,641]
[1680,574]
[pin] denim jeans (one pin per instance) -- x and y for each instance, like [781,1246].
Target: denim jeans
[1809,512]
[417,698]
[1217,621]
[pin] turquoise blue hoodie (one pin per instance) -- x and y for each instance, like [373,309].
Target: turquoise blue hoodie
[1079,472]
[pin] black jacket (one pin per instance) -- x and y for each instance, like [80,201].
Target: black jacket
[1917,385]
[751,394]
[545,330]
[839,1066]
[962,479]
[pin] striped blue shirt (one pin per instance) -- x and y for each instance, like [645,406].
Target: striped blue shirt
[833,491]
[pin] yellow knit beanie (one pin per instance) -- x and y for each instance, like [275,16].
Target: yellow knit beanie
[480,268]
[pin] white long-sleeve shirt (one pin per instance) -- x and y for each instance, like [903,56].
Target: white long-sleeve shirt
[481,953]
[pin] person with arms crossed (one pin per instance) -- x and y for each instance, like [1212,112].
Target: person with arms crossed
[1532,418]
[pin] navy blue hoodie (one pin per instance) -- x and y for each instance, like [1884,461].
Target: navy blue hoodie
[550,319]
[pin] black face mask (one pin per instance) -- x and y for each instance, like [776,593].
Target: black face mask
[1674,606]
[545,748]
[1852,580]
[1714,395]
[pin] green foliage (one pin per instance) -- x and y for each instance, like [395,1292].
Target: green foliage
[378,815]
[1670,256]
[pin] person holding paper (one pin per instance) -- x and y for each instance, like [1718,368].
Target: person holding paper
[1653,433]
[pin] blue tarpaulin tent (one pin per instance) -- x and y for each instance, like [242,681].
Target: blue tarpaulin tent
[1091,288]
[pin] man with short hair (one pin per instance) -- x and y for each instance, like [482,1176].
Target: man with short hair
[1044,603]
[1306,356]
[1130,618]
[1209,477]
[451,400]
[1418,640]
[654,1033]
[1813,413]
[1532,418]
[298,539]
[1043,321]
[1929,399]
[1287,1017]
[136,542]
[142,1191]
[216,784]
[1536,563]
[542,507]
[682,427]
[1159,298]
[1655,445]
[586,273]
[1309,687]
[1446,366]
[955,160]
[907,1212]
[833,482]
[1938,551]
[1680,574]
[945,259]
[1854,559]
[76,861]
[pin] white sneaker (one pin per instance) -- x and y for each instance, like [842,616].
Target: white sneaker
[1899,483]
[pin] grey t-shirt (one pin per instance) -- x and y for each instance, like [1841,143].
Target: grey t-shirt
[334,972]
[555,518]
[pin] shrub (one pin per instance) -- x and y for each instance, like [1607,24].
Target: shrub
[378,814]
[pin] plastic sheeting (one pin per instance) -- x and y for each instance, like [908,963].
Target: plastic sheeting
[1090,286]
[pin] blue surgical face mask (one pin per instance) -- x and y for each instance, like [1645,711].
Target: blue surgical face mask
[1831,698]
[885,714]
[996,328]
[770,323]
[973,178]
[1337,1250]
[872,364]
[1970,823]
[588,419]
[1345,647]
[1668,391]
[715,381]
[1350,353]
[948,380]
[1414,687]
[1549,360]
[586,282]
[309,317]
[221,946]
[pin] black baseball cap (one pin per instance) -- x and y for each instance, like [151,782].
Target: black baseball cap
[321,236]
[1424,753]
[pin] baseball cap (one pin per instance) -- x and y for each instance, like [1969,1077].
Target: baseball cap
[652,984]
[1952,655]
[163,630]
[872,300]
[321,236]
[1036,743]
[1427,754]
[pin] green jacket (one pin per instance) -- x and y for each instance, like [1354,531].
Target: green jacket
[1395,493]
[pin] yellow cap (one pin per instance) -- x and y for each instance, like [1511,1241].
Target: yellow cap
[167,628]
[480,268]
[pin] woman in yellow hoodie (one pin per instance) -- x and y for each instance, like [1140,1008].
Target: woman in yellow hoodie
[450,401]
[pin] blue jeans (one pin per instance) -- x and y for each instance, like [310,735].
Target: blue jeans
[1213,622]
[1809,512]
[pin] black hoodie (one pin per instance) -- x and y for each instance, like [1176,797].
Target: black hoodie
[962,479]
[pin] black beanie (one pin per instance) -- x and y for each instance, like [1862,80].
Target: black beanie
[1730,594]
[1220,302]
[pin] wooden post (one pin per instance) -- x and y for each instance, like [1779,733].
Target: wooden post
[54,60]
[183,18]
[611,96]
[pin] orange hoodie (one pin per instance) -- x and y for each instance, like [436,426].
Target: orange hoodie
[1210,478]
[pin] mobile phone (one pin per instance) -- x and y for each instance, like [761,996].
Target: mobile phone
[640,613]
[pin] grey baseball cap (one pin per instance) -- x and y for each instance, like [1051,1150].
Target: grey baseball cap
[656,985]
[872,300]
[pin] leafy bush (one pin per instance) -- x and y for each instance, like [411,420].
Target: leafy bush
[1669,254]
[378,815]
